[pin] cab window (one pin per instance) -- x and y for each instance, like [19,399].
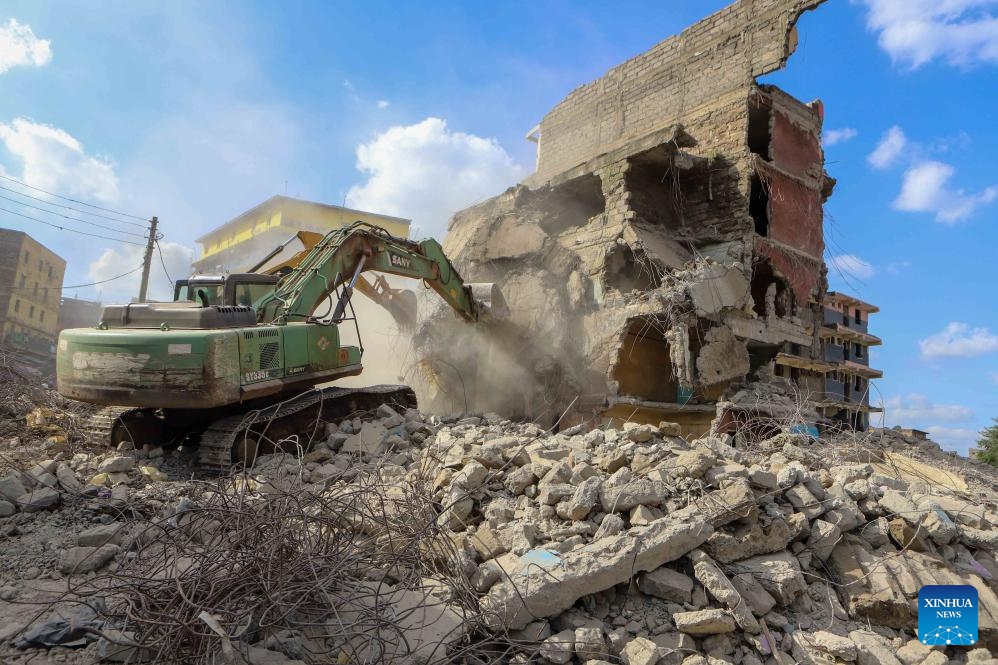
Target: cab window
[248,293]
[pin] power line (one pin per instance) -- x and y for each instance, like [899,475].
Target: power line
[59,205]
[163,261]
[77,219]
[73,286]
[66,198]
[63,228]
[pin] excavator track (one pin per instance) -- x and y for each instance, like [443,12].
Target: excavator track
[239,438]
[100,427]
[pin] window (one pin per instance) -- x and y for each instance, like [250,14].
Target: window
[40,264]
[31,312]
[858,316]
[17,305]
[27,257]
[21,282]
[859,351]
[50,272]
[41,316]
[759,206]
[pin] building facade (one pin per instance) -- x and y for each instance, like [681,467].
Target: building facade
[240,242]
[837,382]
[30,292]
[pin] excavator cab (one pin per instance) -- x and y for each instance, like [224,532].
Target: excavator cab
[237,289]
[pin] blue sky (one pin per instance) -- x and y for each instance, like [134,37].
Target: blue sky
[197,111]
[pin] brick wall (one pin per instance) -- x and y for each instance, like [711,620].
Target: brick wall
[670,83]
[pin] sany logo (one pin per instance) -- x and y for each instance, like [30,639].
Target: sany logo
[400,261]
[323,343]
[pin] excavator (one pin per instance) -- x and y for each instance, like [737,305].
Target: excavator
[242,361]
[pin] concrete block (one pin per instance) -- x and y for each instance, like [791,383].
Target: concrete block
[704,622]
[667,584]
[539,590]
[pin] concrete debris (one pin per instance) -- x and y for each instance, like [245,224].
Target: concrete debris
[586,546]
[554,583]
[667,584]
[704,622]
[86,559]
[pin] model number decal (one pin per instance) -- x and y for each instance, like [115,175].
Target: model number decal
[258,375]
[296,370]
[400,261]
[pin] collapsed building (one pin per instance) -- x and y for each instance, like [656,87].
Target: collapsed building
[669,245]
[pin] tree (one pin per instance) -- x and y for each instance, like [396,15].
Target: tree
[988,444]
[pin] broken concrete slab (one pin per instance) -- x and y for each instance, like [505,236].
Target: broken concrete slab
[704,622]
[872,649]
[639,651]
[667,584]
[80,560]
[759,600]
[118,464]
[779,574]
[538,591]
[823,539]
[37,499]
[370,440]
[719,586]
[11,486]
[728,547]
[103,534]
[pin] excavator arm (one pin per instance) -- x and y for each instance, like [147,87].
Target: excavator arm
[335,264]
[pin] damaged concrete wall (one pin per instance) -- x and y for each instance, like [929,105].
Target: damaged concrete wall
[669,242]
[680,80]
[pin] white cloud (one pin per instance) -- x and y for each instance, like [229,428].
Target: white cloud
[958,340]
[959,439]
[896,267]
[832,136]
[926,188]
[887,152]
[383,103]
[914,32]
[426,172]
[53,160]
[119,260]
[914,409]
[20,47]
[851,265]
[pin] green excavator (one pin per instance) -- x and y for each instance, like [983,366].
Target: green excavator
[242,361]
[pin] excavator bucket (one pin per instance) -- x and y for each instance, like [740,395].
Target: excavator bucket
[490,295]
[400,303]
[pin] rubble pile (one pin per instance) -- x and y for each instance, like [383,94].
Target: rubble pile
[638,546]
[474,539]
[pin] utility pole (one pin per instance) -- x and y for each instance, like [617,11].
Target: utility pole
[148,260]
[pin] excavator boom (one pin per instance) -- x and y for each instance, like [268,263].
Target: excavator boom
[342,255]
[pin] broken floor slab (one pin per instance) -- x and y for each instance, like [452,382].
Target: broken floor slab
[538,590]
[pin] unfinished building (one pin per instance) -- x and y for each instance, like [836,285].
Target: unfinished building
[669,244]
[838,382]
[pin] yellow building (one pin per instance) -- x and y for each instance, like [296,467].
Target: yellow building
[30,292]
[240,242]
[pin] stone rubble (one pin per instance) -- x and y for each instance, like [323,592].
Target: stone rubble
[645,539]
[633,546]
